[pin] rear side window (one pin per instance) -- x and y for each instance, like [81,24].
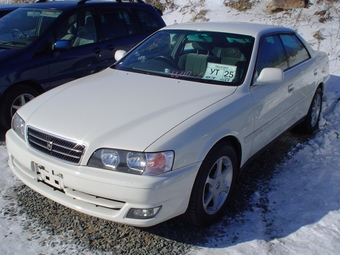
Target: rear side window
[116,24]
[148,22]
[295,50]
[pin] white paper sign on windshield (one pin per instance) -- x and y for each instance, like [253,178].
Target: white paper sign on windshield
[220,72]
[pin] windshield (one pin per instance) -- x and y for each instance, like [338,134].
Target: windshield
[22,26]
[218,58]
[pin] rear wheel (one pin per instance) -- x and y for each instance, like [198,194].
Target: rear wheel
[213,186]
[311,121]
[13,100]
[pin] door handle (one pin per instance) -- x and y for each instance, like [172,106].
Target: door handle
[97,50]
[290,88]
[111,47]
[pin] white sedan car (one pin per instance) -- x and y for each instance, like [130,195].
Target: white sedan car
[168,128]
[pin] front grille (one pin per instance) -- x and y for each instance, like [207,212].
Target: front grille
[54,146]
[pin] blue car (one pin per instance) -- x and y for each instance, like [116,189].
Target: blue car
[43,45]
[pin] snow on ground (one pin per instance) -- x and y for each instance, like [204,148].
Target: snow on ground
[303,214]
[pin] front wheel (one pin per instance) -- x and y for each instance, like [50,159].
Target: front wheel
[213,186]
[13,100]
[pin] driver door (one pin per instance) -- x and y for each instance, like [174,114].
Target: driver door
[80,57]
[272,101]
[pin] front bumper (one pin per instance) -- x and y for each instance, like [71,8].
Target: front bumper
[101,193]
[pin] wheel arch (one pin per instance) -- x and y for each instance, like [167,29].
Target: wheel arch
[235,143]
[10,94]
[194,213]
[321,85]
[32,84]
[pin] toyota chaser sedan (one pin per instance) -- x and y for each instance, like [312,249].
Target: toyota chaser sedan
[168,128]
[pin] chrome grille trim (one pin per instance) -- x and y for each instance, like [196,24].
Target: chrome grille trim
[63,147]
[55,146]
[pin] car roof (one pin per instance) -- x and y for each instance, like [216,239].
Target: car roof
[252,29]
[65,5]
[9,7]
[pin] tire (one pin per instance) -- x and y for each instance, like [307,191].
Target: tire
[311,121]
[213,186]
[13,100]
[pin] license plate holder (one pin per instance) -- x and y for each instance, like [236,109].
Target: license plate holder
[49,176]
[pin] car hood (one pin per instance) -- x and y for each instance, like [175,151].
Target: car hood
[120,109]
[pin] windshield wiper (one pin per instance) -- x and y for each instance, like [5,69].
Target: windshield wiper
[14,43]
[3,45]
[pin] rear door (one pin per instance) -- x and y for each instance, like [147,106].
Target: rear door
[117,31]
[303,72]
[122,28]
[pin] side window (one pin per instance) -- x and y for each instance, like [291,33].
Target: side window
[271,54]
[67,29]
[296,51]
[147,21]
[86,30]
[79,29]
[116,24]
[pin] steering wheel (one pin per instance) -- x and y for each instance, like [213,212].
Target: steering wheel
[168,60]
[16,33]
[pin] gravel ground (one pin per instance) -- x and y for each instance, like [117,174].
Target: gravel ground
[90,234]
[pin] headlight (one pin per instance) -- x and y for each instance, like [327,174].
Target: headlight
[132,162]
[18,125]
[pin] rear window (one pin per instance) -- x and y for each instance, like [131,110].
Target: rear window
[148,22]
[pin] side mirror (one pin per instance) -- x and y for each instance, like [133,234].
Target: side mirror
[270,75]
[119,54]
[62,45]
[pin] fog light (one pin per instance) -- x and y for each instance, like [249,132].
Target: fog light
[136,213]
